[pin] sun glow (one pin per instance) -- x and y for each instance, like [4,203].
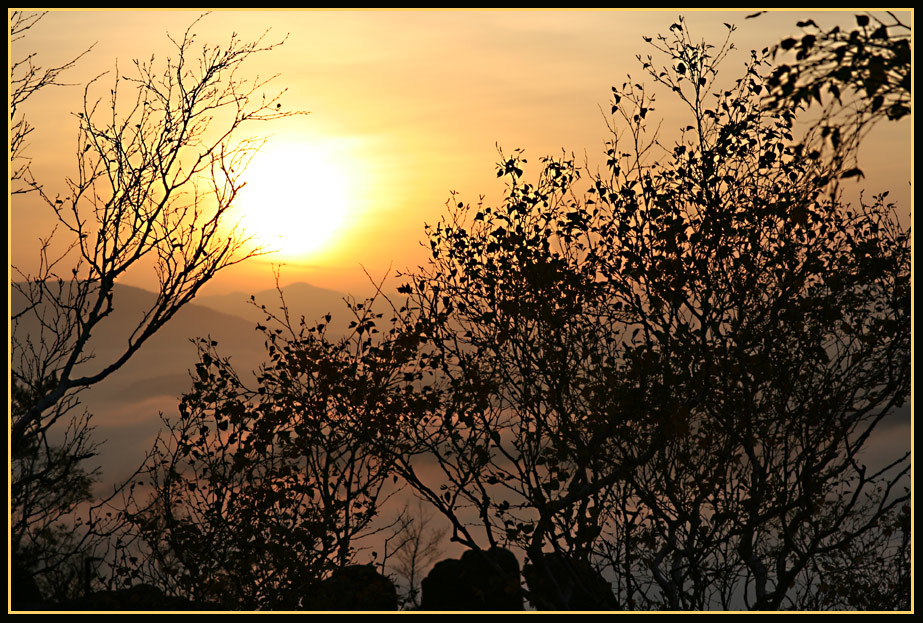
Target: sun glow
[297,198]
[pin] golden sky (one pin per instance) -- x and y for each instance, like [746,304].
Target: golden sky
[405,106]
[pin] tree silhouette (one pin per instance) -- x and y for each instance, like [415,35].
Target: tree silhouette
[258,495]
[867,67]
[26,79]
[419,546]
[864,74]
[158,166]
[658,382]
[672,377]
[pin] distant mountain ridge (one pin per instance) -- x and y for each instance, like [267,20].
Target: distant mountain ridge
[226,317]
[127,404]
[301,299]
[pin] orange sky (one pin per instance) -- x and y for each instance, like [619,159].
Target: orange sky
[406,105]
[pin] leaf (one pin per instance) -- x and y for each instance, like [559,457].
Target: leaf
[799,215]
[898,111]
[877,102]
[852,173]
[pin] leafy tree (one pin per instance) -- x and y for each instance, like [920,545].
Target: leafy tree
[864,74]
[871,63]
[257,495]
[671,377]
[872,573]
[158,165]
[656,381]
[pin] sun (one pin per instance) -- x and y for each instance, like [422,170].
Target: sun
[296,200]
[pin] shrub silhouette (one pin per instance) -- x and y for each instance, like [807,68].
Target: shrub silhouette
[260,497]
[574,583]
[354,587]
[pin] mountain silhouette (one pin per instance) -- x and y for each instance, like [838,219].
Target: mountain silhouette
[301,299]
[127,404]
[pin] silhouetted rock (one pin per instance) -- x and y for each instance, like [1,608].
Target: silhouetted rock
[355,587]
[480,580]
[577,582]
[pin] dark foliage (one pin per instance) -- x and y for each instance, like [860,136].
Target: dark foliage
[671,378]
[868,66]
[479,580]
[354,587]
[259,495]
[575,584]
[140,597]
[657,383]
[854,77]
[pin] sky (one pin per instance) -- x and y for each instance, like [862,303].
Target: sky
[404,108]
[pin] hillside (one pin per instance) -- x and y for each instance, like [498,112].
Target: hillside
[302,299]
[126,406]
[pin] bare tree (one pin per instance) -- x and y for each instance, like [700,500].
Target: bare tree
[158,165]
[419,547]
[26,79]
